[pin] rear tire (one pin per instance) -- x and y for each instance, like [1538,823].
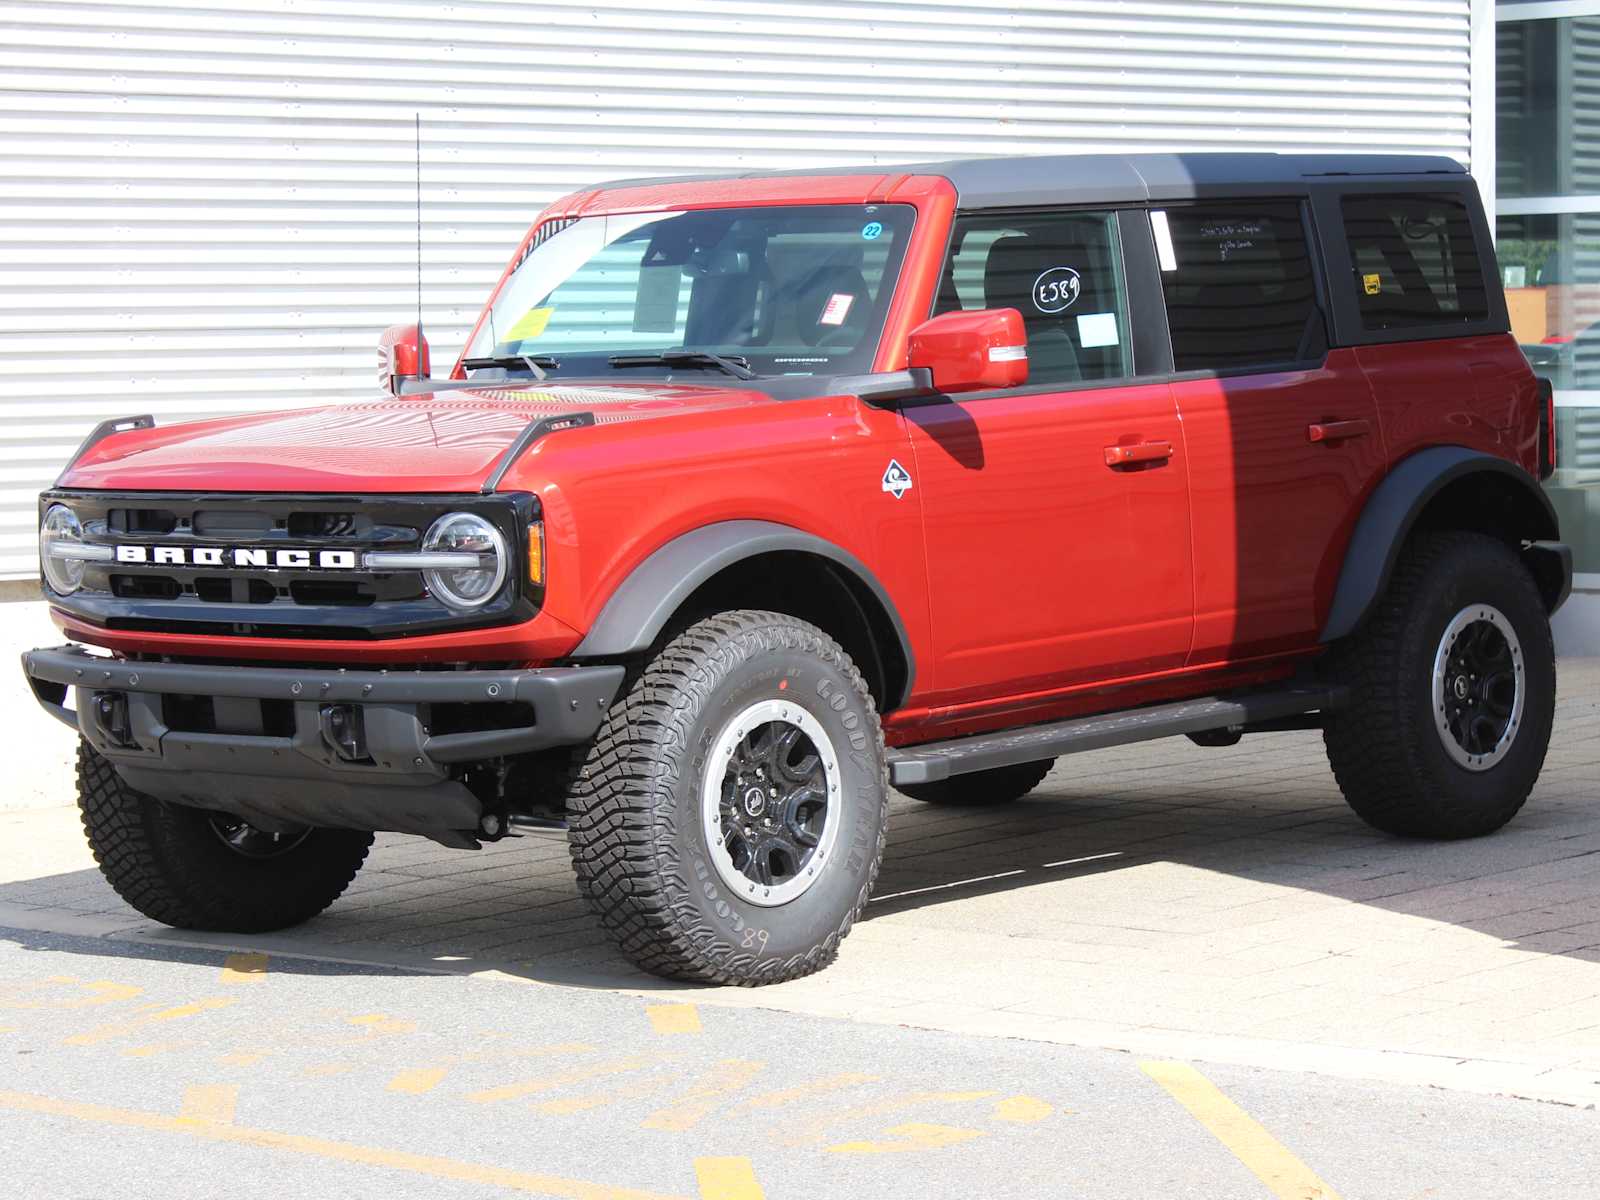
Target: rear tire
[194,869]
[1454,683]
[729,820]
[982,789]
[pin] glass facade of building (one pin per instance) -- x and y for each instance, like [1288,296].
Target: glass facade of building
[1547,83]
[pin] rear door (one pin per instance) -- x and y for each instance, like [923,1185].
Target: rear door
[1283,435]
[1057,513]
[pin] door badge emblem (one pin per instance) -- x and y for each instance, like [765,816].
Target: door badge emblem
[896,480]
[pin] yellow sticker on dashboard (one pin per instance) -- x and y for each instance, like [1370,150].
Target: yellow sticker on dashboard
[531,325]
[1372,284]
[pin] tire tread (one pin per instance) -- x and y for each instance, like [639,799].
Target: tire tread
[1375,745]
[622,809]
[140,845]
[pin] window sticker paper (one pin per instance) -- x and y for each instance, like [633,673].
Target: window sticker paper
[836,309]
[530,325]
[1165,255]
[655,310]
[1098,329]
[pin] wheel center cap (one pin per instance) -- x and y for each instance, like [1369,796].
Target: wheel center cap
[1459,687]
[755,802]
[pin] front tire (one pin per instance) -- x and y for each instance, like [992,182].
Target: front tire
[728,823]
[194,869]
[982,789]
[1453,682]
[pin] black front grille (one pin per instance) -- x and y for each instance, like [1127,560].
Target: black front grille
[173,591]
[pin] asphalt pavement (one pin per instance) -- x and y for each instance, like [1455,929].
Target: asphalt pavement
[135,1071]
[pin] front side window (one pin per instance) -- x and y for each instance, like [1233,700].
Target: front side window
[1238,285]
[1063,273]
[1414,259]
[791,290]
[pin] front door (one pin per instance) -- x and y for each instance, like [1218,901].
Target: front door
[1057,514]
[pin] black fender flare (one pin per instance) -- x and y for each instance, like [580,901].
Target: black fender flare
[642,605]
[1392,511]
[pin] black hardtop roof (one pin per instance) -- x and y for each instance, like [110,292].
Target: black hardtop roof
[1029,180]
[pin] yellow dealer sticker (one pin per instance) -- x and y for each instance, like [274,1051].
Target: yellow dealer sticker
[531,325]
[1372,284]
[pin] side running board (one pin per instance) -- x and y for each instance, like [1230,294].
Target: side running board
[933,761]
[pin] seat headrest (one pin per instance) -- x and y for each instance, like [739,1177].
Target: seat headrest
[1018,262]
[818,313]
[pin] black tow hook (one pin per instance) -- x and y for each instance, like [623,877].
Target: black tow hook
[345,731]
[111,714]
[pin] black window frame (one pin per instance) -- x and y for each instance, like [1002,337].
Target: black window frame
[1348,329]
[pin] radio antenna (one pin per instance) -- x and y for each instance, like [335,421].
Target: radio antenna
[419,222]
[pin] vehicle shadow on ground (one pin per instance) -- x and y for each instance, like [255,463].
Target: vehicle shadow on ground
[1259,828]
[1255,824]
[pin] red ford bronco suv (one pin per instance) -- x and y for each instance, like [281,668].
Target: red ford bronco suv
[752,496]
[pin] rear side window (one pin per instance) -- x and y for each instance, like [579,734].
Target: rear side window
[1414,259]
[1238,284]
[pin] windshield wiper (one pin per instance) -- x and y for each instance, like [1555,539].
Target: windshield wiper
[536,363]
[735,365]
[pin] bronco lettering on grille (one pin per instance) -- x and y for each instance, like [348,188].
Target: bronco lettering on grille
[224,556]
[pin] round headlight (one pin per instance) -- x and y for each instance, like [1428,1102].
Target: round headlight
[466,534]
[58,531]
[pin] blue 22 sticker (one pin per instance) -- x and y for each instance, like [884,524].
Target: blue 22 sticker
[871,230]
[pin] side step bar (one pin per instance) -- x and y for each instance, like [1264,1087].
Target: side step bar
[933,761]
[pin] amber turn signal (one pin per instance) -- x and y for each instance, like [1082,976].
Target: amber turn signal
[536,553]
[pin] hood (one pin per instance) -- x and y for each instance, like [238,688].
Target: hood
[445,441]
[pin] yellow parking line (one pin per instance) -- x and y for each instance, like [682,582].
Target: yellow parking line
[727,1179]
[567,1105]
[210,1102]
[674,1018]
[914,1135]
[1024,1110]
[151,1050]
[105,1033]
[547,1083]
[349,1152]
[719,1082]
[1269,1159]
[244,968]
[806,1091]
[418,1081]
[242,1058]
[816,1130]
[377,1024]
[99,991]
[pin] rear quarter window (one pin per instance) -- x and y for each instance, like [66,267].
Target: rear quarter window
[1414,259]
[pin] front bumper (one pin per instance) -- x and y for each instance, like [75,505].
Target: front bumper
[279,749]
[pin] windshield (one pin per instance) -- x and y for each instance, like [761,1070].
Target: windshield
[794,290]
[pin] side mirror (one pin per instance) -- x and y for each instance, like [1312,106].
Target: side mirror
[402,355]
[972,351]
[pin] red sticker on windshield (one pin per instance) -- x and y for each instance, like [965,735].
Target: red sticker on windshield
[836,309]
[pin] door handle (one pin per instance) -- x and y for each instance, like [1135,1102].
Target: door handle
[1142,452]
[1337,431]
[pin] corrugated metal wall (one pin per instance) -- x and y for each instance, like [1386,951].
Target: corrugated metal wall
[207,207]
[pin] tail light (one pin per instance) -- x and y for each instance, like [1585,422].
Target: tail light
[1547,428]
